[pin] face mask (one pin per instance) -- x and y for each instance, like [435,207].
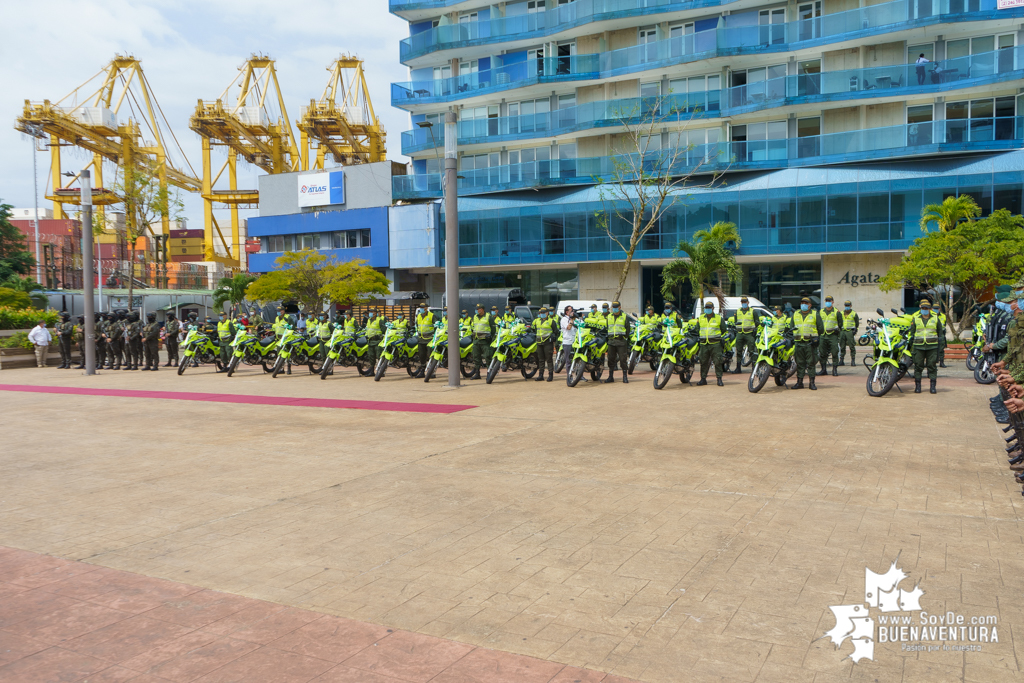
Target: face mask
[804,307]
[593,311]
[847,309]
[604,311]
[369,315]
[709,310]
[926,312]
[1020,303]
[543,315]
[744,306]
[616,309]
[668,311]
[1003,306]
[828,304]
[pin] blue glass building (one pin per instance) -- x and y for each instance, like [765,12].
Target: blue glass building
[832,122]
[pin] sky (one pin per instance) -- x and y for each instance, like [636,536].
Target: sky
[189,50]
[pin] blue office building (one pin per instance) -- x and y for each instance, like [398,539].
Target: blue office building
[831,122]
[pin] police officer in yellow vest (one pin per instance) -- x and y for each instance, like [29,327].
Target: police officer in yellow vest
[618,343]
[425,331]
[596,318]
[349,326]
[546,329]
[483,328]
[650,318]
[279,322]
[374,331]
[832,322]
[225,334]
[323,333]
[925,329]
[712,331]
[745,319]
[807,329]
[848,336]
[507,315]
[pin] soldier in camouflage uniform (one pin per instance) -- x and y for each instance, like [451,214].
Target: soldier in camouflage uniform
[80,340]
[171,328]
[101,340]
[65,334]
[116,341]
[151,343]
[133,354]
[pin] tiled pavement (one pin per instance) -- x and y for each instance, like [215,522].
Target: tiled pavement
[694,533]
[69,621]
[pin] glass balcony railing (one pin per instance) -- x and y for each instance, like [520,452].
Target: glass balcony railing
[406,5]
[881,81]
[537,24]
[969,134]
[722,41]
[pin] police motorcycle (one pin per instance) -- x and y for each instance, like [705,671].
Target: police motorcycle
[869,338]
[439,352]
[679,348]
[249,348]
[729,346]
[892,358]
[646,342]
[589,346]
[398,351]
[977,343]
[346,350]
[297,349]
[775,352]
[198,348]
[515,348]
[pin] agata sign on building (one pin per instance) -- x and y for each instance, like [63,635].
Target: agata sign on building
[858,280]
[321,189]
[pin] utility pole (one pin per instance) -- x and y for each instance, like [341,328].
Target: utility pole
[451,245]
[35,131]
[87,285]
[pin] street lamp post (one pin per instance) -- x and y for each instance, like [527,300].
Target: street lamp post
[36,131]
[87,274]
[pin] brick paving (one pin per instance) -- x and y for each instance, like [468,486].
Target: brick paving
[696,533]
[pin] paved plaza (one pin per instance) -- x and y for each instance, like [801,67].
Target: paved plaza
[689,534]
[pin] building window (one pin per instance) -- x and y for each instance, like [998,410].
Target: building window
[351,239]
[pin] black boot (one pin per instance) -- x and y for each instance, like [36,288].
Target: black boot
[842,361]
[156,366]
[540,375]
[931,388]
[942,363]
[167,364]
[799,384]
[811,385]
[145,368]
[127,366]
[625,377]
[703,382]
[720,382]
[80,366]
[738,370]
[835,371]
[476,374]
[611,377]
[917,386]
[551,374]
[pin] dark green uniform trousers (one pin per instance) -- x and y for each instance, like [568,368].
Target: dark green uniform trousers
[711,353]
[481,352]
[618,355]
[546,349]
[373,350]
[926,358]
[806,356]
[828,344]
[745,340]
[846,339]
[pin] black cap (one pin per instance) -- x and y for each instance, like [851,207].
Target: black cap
[848,303]
[480,306]
[744,299]
[615,303]
[828,298]
[805,300]
[464,311]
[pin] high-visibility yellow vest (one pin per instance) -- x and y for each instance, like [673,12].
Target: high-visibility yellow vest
[401,325]
[482,325]
[830,319]
[616,324]
[546,328]
[710,330]
[926,331]
[350,326]
[744,320]
[324,330]
[425,324]
[279,324]
[224,329]
[849,320]
[805,325]
[373,329]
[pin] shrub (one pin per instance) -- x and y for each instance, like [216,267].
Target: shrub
[18,340]
[25,318]
[14,299]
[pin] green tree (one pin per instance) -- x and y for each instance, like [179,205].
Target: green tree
[313,279]
[709,261]
[13,298]
[645,179]
[144,202]
[950,213]
[29,286]
[232,289]
[15,258]
[971,259]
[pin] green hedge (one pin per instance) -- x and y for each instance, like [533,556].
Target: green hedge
[25,318]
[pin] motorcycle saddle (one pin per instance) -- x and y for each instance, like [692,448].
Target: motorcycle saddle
[361,341]
[528,340]
[268,341]
[412,341]
[465,341]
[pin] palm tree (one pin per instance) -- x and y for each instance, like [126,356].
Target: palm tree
[950,213]
[29,287]
[709,254]
[232,289]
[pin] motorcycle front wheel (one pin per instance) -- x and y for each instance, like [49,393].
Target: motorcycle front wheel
[973,357]
[413,367]
[881,379]
[758,376]
[326,369]
[530,366]
[382,365]
[634,358]
[492,369]
[428,372]
[315,365]
[184,363]
[278,366]
[364,367]
[466,367]
[575,372]
[232,364]
[595,375]
[748,358]
[686,374]
[560,360]
[268,368]
[663,374]
[982,373]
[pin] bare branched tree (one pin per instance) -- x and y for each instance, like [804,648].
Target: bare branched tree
[646,178]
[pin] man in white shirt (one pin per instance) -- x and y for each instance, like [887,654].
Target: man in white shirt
[40,337]
[921,61]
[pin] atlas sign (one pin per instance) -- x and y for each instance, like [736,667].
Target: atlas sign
[321,189]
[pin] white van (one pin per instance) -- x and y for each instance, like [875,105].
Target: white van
[732,303]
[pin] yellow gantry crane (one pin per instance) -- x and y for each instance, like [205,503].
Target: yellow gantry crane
[342,121]
[91,123]
[246,128]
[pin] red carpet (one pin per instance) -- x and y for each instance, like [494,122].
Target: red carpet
[252,400]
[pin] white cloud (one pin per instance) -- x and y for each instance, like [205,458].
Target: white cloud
[190,50]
